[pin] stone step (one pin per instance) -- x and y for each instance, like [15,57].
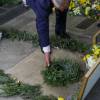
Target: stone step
[10,98]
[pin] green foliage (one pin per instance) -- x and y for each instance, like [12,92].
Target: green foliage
[24,90]
[12,87]
[3,2]
[62,72]
[4,78]
[2,73]
[73,45]
[75,96]
[19,35]
[29,91]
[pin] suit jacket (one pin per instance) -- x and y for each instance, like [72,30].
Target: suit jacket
[42,9]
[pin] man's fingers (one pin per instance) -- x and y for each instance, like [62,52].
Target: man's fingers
[47,58]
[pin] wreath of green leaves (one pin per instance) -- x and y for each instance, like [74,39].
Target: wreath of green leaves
[62,72]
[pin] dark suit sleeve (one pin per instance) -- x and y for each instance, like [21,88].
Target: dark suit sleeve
[42,20]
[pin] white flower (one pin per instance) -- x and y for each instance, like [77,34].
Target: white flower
[93,6]
[90,62]
[76,11]
[25,3]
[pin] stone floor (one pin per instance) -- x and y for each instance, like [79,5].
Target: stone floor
[8,12]
[26,22]
[12,52]
[29,71]
[11,98]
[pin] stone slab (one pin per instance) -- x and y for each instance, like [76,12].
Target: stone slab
[27,22]
[10,13]
[29,71]
[11,52]
[10,98]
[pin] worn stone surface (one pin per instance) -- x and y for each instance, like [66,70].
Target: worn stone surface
[11,52]
[8,12]
[27,22]
[11,98]
[29,71]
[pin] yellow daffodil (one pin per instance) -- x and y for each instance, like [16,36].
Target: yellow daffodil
[98,7]
[84,1]
[84,8]
[97,52]
[72,5]
[60,98]
[86,57]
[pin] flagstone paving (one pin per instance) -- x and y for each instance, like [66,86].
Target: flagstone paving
[11,52]
[29,71]
[26,73]
[27,22]
[11,98]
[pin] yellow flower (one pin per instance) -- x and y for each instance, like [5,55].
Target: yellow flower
[72,5]
[97,52]
[86,57]
[88,2]
[98,7]
[60,98]
[82,2]
[95,47]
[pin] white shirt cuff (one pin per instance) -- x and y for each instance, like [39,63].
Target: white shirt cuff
[46,49]
[24,2]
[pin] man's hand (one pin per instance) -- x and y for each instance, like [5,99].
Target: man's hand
[47,59]
[25,3]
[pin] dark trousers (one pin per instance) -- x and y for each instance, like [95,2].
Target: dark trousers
[60,26]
